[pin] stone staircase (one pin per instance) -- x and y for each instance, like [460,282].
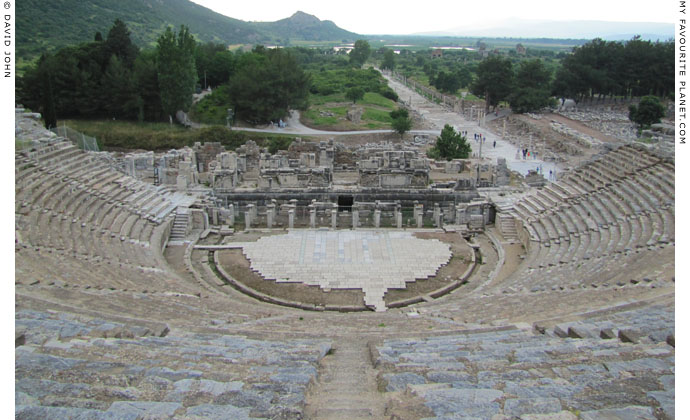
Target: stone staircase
[506,225]
[346,386]
[178,232]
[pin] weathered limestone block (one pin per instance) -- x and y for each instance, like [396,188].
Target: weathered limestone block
[355,114]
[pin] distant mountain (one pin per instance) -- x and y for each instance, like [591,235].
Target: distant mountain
[307,27]
[48,25]
[583,29]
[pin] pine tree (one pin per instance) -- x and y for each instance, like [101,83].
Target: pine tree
[120,44]
[450,145]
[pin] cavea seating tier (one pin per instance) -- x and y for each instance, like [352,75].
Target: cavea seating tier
[109,328]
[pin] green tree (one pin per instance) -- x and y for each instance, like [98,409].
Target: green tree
[447,82]
[450,145]
[388,60]
[494,80]
[430,68]
[571,80]
[48,96]
[354,94]
[145,76]
[221,67]
[212,71]
[400,112]
[531,91]
[176,70]
[604,68]
[267,84]
[402,122]
[464,76]
[360,53]
[648,112]
[118,86]
[120,44]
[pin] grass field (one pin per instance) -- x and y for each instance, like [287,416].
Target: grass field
[129,135]
[375,116]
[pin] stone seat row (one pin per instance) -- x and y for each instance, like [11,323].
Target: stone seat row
[93,211]
[516,373]
[564,232]
[614,270]
[656,174]
[112,233]
[570,221]
[75,373]
[81,171]
[58,268]
[651,324]
[611,231]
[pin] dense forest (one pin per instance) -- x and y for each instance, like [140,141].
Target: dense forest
[111,78]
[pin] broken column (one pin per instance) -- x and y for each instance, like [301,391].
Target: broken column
[419,214]
[270,215]
[291,218]
[312,216]
[231,215]
[355,217]
[461,217]
[248,216]
[437,215]
[398,217]
[377,218]
[334,216]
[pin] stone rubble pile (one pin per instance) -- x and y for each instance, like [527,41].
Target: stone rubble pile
[613,123]
[583,139]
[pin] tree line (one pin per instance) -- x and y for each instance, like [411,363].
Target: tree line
[112,78]
[599,68]
[607,68]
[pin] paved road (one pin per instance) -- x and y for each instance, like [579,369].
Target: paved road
[437,116]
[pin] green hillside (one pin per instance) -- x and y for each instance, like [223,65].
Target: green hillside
[302,26]
[49,25]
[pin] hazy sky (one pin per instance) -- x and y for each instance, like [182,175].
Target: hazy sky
[406,17]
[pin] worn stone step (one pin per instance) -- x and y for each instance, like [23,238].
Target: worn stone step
[354,413]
